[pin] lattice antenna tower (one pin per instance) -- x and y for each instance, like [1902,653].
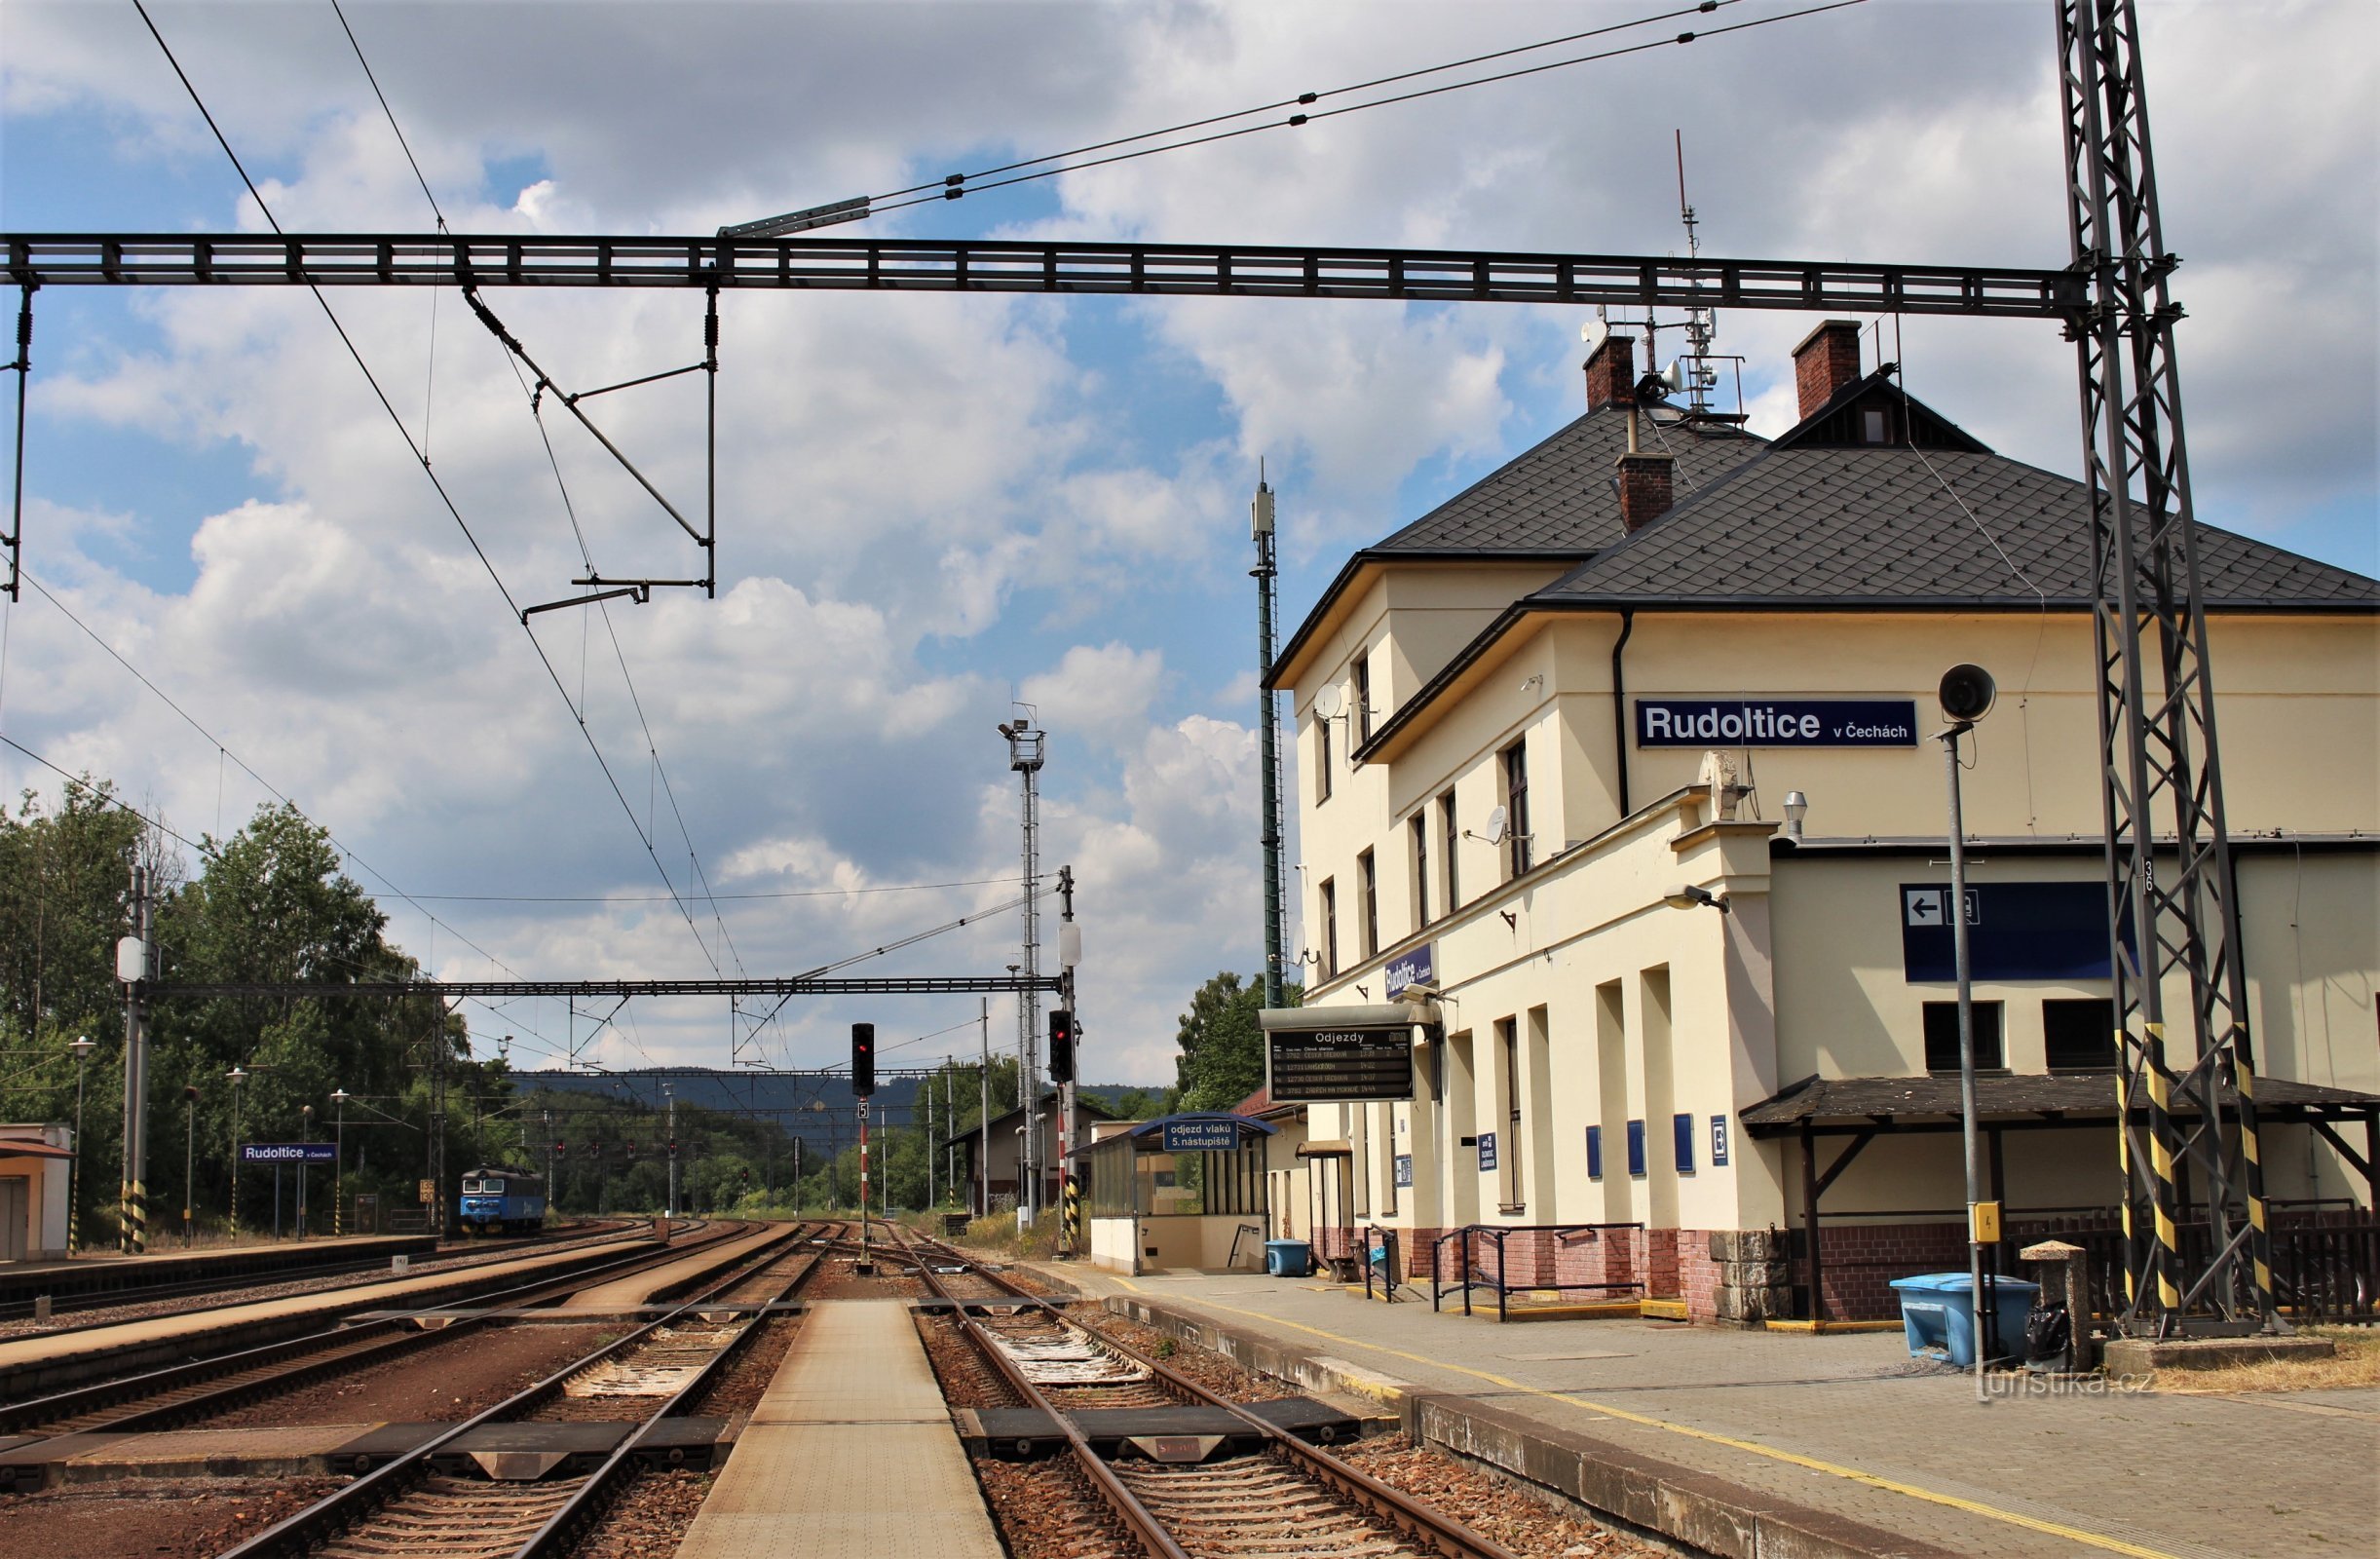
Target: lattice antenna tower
[1701,321]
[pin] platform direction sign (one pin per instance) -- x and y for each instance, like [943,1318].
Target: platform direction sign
[288,1152]
[1324,1066]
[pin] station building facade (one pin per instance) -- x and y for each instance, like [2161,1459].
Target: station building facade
[1528,718]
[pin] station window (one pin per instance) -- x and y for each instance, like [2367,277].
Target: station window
[1367,877]
[1330,928]
[1449,835]
[1595,1152]
[1942,1036]
[1417,827]
[1322,759]
[1636,1150]
[1516,809]
[1363,697]
[2080,1036]
[1681,1142]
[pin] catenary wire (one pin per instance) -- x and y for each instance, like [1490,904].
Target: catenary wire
[726,898]
[401,143]
[446,497]
[1293,121]
[959,180]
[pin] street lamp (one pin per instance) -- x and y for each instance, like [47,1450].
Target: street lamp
[235,1075]
[1967,693]
[82,1047]
[305,1134]
[338,1165]
[190,1160]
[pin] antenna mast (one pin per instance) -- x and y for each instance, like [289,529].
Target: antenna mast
[1269,739]
[1701,321]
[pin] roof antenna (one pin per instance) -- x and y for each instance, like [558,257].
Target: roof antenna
[1701,322]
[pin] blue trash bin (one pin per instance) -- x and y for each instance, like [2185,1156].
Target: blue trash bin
[1288,1258]
[1938,1314]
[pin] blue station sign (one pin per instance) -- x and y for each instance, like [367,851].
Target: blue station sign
[1415,966]
[1776,722]
[287,1153]
[1201,1136]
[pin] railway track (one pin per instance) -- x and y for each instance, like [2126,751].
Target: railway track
[1175,1498]
[177,1393]
[418,1506]
[141,1297]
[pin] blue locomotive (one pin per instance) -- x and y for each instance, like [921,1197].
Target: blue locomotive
[503,1201]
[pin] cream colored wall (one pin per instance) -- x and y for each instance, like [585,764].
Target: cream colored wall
[1810,981]
[1113,1245]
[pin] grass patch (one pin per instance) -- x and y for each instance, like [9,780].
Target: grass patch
[2357,1363]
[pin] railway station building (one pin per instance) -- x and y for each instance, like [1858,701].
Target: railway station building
[1620,761]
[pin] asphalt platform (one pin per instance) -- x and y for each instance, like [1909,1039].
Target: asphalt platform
[1841,1443]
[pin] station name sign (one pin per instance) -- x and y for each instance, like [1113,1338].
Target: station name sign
[288,1152]
[1201,1136]
[1777,722]
[1338,1066]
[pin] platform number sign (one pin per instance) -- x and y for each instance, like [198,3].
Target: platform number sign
[430,1191]
[1719,1141]
[1486,1150]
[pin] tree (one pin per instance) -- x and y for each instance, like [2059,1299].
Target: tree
[1222,1047]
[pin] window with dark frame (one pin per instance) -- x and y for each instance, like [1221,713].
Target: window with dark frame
[1508,1037]
[1516,809]
[1330,928]
[2079,1035]
[1942,1036]
[1322,760]
[1367,877]
[1363,697]
[1448,834]
[1418,828]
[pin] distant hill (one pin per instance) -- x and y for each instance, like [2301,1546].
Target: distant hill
[812,1106]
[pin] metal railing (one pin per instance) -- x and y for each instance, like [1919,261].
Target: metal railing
[1385,1260]
[1477,1244]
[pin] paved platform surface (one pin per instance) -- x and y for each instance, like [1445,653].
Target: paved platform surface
[397,1293]
[1851,1424]
[638,1288]
[850,1452]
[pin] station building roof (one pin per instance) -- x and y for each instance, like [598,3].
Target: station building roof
[1932,1103]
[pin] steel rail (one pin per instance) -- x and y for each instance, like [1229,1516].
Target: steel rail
[1418,1521]
[1138,1519]
[936,265]
[586,1504]
[358,1502]
[477,1254]
[302,1353]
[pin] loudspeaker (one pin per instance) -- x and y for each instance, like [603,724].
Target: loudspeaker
[1967,692]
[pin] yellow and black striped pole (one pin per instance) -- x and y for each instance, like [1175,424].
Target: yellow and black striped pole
[2124,1163]
[1071,1214]
[2260,1233]
[2167,1257]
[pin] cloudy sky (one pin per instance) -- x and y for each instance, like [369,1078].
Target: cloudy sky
[930,505]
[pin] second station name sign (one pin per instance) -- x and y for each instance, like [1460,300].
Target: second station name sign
[1776,722]
[1340,1065]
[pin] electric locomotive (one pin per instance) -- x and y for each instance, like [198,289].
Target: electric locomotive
[502,1201]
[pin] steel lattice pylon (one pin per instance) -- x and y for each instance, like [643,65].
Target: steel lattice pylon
[2177,928]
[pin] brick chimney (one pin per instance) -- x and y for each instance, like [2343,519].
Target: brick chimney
[1645,489]
[1612,372]
[1827,358]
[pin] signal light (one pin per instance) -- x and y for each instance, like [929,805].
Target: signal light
[863,1059]
[1061,1046]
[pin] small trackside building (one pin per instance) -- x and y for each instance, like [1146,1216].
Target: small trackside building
[1527,721]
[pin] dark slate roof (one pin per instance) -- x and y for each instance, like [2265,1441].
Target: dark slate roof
[1557,497]
[1807,523]
[2090,1094]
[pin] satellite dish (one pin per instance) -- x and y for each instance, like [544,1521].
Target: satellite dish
[1967,692]
[1328,703]
[1592,333]
[1677,375]
[1497,821]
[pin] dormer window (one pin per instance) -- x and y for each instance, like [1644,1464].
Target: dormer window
[1876,424]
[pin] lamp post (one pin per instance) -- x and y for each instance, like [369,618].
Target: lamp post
[82,1048]
[305,1134]
[338,1164]
[236,1076]
[1967,693]
[190,1161]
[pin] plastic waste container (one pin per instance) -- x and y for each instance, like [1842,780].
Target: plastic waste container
[1938,1314]
[1288,1258]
